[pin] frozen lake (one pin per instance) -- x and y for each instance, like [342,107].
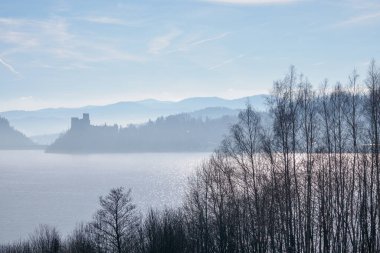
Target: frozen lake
[63,190]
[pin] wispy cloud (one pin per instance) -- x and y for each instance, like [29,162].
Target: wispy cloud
[53,40]
[21,39]
[116,21]
[368,18]
[93,54]
[188,44]
[359,4]
[9,67]
[225,62]
[160,43]
[216,37]
[254,2]
[26,97]
[11,21]
[105,20]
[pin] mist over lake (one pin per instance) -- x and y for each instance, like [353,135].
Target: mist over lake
[63,190]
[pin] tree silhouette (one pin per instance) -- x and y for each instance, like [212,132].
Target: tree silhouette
[117,222]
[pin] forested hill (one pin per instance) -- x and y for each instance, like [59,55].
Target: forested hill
[10,138]
[176,133]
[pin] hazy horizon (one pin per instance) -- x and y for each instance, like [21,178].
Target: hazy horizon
[132,101]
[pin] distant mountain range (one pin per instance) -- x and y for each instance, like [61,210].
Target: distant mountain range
[10,138]
[200,130]
[48,122]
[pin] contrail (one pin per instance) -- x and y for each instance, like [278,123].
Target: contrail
[8,66]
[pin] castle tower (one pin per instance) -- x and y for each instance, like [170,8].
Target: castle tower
[82,123]
[86,119]
[74,122]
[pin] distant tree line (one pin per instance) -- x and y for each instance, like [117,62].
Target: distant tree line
[310,183]
[175,133]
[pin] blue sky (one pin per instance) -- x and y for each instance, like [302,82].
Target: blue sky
[66,53]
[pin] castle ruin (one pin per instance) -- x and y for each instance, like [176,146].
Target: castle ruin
[77,123]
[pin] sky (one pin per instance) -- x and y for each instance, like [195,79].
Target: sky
[69,53]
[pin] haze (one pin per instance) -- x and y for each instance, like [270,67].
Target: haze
[183,126]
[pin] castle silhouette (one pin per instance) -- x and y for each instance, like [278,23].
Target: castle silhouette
[77,123]
[85,124]
[178,133]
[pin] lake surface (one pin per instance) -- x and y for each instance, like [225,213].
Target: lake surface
[63,190]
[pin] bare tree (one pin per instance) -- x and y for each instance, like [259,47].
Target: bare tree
[81,240]
[45,239]
[117,222]
[373,112]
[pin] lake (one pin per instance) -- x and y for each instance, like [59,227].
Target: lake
[63,190]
